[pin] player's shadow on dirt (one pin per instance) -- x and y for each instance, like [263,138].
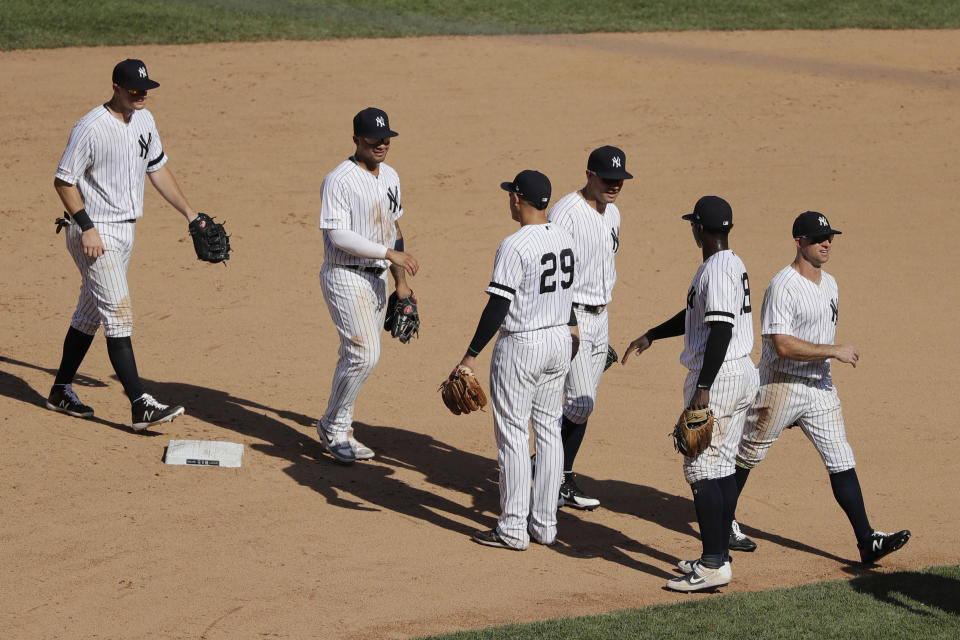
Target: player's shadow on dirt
[913,591]
[16,388]
[673,512]
[363,486]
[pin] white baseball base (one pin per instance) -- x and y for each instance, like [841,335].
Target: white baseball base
[204,453]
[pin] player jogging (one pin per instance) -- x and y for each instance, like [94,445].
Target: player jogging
[717,325]
[530,304]
[100,180]
[798,324]
[593,220]
[360,206]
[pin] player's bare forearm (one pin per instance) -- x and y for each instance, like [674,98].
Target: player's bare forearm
[90,242]
[164,182]
[69,195]
[802,351]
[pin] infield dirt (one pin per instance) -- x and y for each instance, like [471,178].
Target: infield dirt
[100,539]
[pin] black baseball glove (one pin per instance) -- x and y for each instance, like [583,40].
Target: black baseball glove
[612,358]
[403,320]
[210,239]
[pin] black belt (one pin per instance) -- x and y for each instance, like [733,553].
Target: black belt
[589,307]
[377,271]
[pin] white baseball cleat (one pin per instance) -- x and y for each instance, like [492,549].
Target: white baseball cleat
[701,578]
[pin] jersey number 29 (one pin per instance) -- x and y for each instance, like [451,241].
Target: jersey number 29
[548,279]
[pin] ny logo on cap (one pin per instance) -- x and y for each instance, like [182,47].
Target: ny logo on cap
[616,161]
[380,122]
[823,222]
[142,71]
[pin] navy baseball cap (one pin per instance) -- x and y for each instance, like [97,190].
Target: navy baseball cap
[532,186]
[713,212]
[132,74]
[608,162]
[811,224]
[372,123]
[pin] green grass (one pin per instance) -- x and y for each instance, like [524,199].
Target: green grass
[48,23]
[896,606]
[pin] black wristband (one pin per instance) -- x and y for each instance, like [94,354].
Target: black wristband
[83,220]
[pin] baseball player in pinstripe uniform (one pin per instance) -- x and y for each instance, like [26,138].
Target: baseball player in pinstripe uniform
[593,220]
[798,324]
[717,325]
[361,204]
[530,304]
[100,180]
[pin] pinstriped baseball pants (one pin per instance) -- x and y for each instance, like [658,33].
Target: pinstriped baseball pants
[580,388]
[814,405]
[731,395]
[357,304]
[104,292]
[527,371]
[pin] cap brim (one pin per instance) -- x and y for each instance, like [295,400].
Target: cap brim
[689,216]
[141,84]
[613,175]
[378,134]
[828,232]
[508,186]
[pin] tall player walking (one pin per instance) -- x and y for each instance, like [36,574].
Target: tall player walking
[530,304]
[593,220]
[717,325]
[361,204]
[798,324]
[100,180]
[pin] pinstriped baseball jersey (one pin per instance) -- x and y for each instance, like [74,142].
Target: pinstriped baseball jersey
[720,292]
[596,241]
[534,269]
[793,392]
[795,306]
[108,161]
[355,199]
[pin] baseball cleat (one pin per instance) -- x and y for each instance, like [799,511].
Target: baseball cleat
[63,399]
[880,544]
[572,496]
[738,541]
[701,578]
[340,450]
[360,450]
[491,539]
[686,566]
[147,411]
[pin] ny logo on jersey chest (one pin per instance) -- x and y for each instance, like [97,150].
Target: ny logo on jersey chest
[615,236]
[145,144]
[393,194]
[834,312]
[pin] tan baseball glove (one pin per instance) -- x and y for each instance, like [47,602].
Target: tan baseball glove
[693,431]
[462,393]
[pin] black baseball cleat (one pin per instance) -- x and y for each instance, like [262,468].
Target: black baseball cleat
[738,541]
[147,411]
[880,544]
[572,496]
[63,399]
[491,538]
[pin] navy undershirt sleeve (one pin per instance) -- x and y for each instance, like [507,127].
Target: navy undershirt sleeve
[672,327]
[490,320]
[715,351]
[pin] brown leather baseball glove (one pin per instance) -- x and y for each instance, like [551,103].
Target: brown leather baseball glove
[693,432]
[462,393]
